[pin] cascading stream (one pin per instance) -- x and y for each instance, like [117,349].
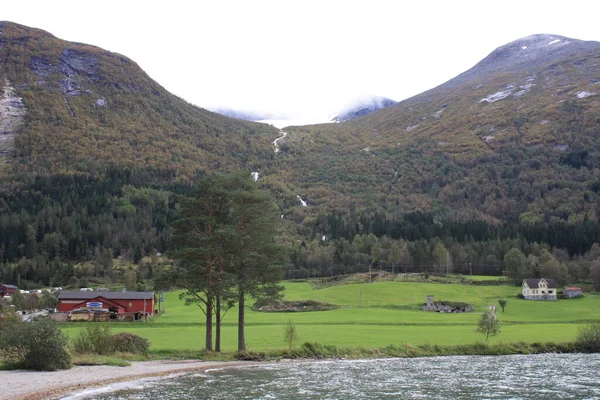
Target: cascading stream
[276,144]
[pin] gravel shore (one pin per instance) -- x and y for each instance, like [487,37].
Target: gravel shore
[33,385]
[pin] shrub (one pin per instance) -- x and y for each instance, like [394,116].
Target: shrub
[588,338]
[130,343]
[94,338]
[38,345]
[290,334]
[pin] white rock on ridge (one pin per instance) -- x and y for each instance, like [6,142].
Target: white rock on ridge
[496,96]
[12,111]
[584,94]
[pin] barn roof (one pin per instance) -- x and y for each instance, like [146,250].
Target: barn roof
[8,286]
[107,295]
[535,283]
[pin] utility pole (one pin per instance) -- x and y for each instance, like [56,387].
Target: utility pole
[360,299]
[369,273]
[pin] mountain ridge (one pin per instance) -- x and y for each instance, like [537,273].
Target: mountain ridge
[116,112]
[466,148]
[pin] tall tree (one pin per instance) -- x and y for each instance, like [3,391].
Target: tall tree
[255,256]
[517,265]
[225,244]
[198,240]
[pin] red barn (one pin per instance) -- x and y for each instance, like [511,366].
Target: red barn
[135,305]
[7,290]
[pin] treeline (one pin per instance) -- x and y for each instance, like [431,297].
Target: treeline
[55,222]
[58,219]
[576,239]
[332,257]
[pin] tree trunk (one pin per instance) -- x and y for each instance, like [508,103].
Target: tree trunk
[218,328]
[209,318]
[241,322]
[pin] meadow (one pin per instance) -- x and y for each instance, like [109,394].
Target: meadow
[373,315]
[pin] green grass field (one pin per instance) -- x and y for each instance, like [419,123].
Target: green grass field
[374,316]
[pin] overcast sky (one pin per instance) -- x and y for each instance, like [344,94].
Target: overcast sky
[302,58]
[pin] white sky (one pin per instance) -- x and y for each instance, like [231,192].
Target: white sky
[302,58]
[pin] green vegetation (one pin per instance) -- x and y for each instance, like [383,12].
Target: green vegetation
[38,345]
[89,191]
[488,324]
[319,351]
[290,334]
[226,250]
[502,303]
[97,339]
[104,152]
[373,316]
[588,338]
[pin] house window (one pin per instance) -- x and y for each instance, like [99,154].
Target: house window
[549,291]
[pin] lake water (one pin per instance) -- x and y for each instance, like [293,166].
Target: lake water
[544,376]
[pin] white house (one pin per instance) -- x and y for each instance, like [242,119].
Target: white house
[539,289]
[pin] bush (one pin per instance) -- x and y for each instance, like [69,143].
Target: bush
[37,344]
[97,338]
[94,338]
[130,343]
[588,338]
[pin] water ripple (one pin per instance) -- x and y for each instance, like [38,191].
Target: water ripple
[544,376]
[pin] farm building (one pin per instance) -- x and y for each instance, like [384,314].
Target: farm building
[120,305]
[7,290]
[539,289]
[572,291]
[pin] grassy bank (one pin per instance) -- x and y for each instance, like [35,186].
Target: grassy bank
[383,315]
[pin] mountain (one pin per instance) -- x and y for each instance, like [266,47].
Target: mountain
[363,107]
[513,139]
[75,107]
[93,154]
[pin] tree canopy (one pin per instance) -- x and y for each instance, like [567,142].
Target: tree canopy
[226,248]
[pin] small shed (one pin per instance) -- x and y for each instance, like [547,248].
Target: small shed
[572,291]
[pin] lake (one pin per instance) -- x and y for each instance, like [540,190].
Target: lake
[542,376]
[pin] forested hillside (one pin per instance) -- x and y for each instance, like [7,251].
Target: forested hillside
[93,153]
[513,142]
[505,156]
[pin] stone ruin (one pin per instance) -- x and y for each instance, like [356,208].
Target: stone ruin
[445,306]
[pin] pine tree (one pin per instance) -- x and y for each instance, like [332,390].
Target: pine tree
[256,258]
[226,246]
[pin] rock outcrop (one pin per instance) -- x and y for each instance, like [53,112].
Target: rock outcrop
[12,111]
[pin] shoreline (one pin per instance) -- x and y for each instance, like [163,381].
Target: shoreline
[36,385]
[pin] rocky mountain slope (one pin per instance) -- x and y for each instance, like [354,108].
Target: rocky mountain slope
[70,106]
[93,154]
[513,138]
